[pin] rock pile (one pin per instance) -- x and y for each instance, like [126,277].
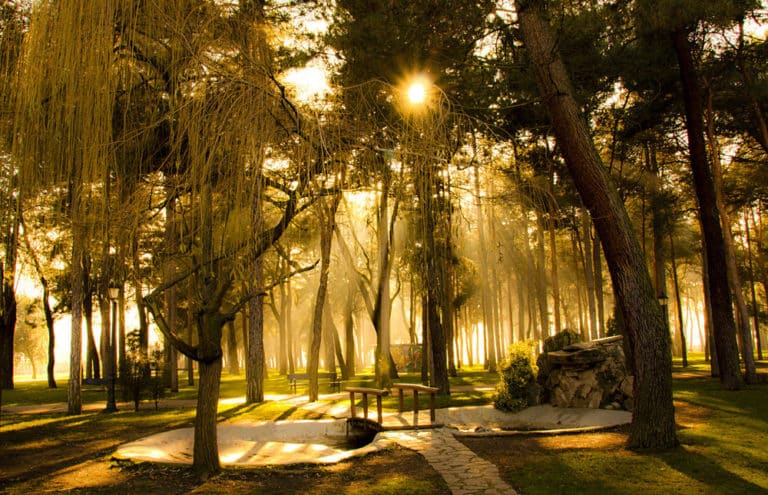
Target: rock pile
[587,374]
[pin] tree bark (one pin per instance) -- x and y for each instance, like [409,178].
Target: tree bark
[382,310]
[327,226]
[597,262]
[255,357]
[92,362]
[734,280]
[653,420]
[589,273]
[659,225]
[233,363]
[551,210]
[430,272]
[681,329]
[49,324]
[74,395]
[205,456]
[349,334]
[753,292]
[169,273]
[723,326]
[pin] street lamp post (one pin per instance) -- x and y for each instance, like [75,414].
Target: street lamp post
[663,300]
[114,293]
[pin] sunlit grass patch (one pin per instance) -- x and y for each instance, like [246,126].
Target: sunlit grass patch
[34,392]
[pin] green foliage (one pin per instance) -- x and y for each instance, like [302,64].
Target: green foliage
[517,387]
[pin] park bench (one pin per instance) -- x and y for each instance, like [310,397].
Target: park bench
[331,376]
[416,388]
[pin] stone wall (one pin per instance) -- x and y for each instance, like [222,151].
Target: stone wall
[587,374]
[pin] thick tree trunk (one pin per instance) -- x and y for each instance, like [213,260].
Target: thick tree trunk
[255,357]
[206,449]
[653,420]
[722,307]
[430,271]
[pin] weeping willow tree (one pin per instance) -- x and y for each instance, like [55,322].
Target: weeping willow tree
[63,126]
[12,27]
[178,97]
[226,112]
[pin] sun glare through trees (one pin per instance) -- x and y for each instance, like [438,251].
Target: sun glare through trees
[292,198]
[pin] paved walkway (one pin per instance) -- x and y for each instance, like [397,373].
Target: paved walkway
[462,469]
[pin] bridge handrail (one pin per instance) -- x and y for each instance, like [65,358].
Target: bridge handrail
[365,391]
[416,388]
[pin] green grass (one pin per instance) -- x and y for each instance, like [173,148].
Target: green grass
[36,392]
[723,436]
[233,386]
[723,439]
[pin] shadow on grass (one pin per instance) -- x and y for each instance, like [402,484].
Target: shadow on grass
[702,469]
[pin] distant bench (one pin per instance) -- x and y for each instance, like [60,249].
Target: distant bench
[331,376]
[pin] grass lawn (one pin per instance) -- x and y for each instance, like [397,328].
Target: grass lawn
[724,449]
[723,435]
[233,386]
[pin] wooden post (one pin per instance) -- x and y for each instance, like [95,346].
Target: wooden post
[416,388]
[379,393]
[432,407]
[415,407]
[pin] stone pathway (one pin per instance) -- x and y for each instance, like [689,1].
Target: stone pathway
[462,469]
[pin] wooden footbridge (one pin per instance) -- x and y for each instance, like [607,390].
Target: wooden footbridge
[399,421]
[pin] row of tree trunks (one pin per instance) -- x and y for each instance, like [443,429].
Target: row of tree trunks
[734,280]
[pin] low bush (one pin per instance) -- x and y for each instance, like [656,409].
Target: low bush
[517,388]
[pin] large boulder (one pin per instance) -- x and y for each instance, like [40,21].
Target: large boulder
[587,374]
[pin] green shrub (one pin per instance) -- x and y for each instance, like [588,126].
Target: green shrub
[517,388]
